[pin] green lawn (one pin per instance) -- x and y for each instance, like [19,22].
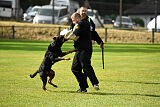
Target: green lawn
[131,77]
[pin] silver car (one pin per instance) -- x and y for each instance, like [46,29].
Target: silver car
[44,15]
[126,22]
[30,13]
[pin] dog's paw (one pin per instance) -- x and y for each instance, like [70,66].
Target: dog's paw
[31,76]
[55,86]
[46,90]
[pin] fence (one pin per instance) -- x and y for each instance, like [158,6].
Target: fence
[29,32]
[131,36]
[109,35]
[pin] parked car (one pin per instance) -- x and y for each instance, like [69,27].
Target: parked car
[92,15]
[71,5]
[6,9]
[126,22]
[25,14]
[30,13]
[108,21]
[44,15]
[9,9]
[151,24]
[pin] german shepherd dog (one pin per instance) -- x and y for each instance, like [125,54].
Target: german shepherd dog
[52,55]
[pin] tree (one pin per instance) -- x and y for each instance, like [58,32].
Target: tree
[26,3]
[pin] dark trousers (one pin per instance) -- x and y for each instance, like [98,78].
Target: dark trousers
[82,60]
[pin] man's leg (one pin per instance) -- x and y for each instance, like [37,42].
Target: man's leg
[77,71]
[85,59]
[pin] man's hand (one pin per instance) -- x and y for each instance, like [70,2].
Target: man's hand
[93,42]
[65,58]
[101,46]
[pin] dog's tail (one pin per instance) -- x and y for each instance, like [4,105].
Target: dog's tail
[33,75]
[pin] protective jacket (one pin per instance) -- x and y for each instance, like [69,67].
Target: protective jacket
[82,29]
[93,34]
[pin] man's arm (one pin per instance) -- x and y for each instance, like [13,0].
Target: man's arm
[95,36]
[73,34]
[93,25]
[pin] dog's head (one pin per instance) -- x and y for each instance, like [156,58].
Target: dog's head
[59,40]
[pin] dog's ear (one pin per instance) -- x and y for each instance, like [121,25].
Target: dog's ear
[54,38]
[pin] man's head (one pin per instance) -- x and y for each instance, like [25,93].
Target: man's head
[83,12]
[76,17]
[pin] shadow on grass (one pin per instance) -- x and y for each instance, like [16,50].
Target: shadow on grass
[30,47]
[132,48]
[27,45]
[107,94]
[138,82]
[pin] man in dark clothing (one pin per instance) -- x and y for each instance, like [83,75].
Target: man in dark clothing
[82,58]
[94,34]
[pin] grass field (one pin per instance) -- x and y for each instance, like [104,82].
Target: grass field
[131,77]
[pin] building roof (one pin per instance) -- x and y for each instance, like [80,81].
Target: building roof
[146,7]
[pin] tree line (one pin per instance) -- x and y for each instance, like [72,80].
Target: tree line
[24,4]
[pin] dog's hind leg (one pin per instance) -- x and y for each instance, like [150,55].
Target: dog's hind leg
[44,80]
[51,76]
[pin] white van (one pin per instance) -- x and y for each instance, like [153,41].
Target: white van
[5,9]
[151,24]
[9,8]
[71,5]
[44,15]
